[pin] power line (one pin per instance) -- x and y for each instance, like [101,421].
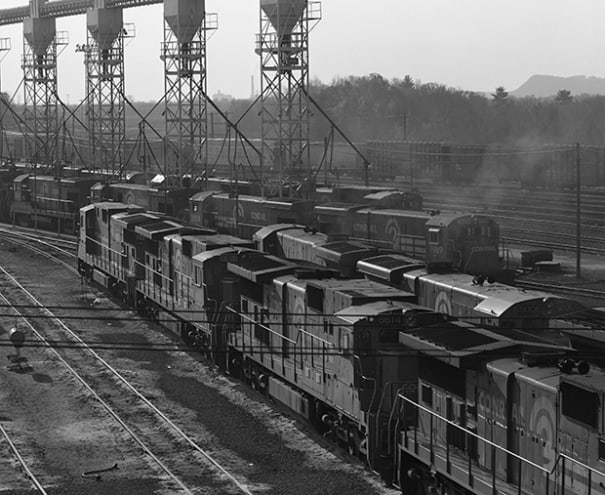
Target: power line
[317,351]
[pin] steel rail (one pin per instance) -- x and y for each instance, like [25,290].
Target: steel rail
[30,475]
[25,242]
[147,402]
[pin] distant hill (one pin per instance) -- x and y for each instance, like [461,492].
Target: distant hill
[545,86]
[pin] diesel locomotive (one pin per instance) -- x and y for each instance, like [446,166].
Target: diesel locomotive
[435,404]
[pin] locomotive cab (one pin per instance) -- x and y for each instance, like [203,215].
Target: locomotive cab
[465,243]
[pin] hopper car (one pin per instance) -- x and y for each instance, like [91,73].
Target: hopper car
[550,166]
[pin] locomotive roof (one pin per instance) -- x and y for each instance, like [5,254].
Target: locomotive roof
[387,267]
[157,230]
[446,219]
[240,197]
[268,230]
[131,220]
[205,235]
[455,342]
[337,207]
[393,212]
[541,376]
[52,178]
[259,267]
[339,250]
[113,205]
[217,253]
[376,196]
[360,289]
[548,375]
[353,314]
[496,298]
[129,186]
[287,203]
[201,196]
[170,191]
[303,234]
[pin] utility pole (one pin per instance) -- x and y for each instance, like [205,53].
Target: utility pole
[578,214]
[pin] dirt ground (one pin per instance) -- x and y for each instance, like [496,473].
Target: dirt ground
[64,433]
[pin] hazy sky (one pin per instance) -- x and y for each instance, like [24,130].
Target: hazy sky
[469,44]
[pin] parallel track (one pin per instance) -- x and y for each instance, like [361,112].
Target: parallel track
[20,458]
[181,457]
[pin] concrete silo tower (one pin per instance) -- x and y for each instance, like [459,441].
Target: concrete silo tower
[283,46]
[184,56]
[104,53]
[40,84]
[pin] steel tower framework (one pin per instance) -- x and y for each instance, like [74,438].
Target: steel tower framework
[105,88]
[283,46]
[40,88]
[184,54]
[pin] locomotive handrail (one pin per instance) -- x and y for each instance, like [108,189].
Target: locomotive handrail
[475,435]
[323,341]
[578,463]
[252,320]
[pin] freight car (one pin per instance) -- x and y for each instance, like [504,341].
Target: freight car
[549,166]
[345,354]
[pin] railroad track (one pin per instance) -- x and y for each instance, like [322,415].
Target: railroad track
[184,461]
[561,289]
[59,250]
[19,457]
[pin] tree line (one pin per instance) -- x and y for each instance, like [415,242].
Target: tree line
[374,108]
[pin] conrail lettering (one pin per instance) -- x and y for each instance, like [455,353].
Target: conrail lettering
[362,227]
[258,215]
[436,250]
[389,320]
[483,249]
[495,407]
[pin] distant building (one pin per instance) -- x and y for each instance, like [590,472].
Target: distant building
[219,97]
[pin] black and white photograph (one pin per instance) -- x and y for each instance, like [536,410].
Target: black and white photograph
[299,247]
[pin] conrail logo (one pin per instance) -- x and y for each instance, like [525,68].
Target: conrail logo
[298,315]
[443,303]
[542,425]
[129,198]
[392,230]
[238,211]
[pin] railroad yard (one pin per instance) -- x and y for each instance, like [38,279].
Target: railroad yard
[145,419]
[386,287]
